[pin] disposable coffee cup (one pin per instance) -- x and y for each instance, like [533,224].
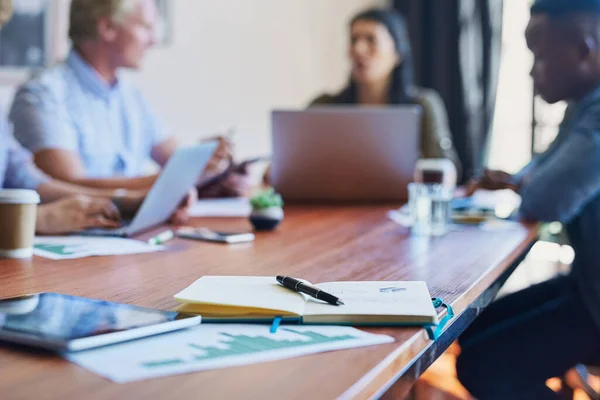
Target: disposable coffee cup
[18,210]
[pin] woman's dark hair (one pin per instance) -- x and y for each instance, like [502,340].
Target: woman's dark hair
[402,88]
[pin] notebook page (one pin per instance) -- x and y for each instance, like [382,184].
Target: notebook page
[375,299]
[251,292]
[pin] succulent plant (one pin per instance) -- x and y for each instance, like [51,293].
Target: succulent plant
[266,199]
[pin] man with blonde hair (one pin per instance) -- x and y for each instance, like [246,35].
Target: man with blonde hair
[84,123]
[66,207]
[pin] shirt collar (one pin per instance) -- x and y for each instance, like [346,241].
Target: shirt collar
[88,76]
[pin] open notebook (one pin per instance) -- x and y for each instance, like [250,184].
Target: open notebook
[252,299]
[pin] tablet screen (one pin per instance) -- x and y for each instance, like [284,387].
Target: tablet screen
[63,317]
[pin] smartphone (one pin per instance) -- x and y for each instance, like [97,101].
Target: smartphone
[214,236]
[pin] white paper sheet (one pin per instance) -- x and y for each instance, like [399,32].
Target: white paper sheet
[70,247]
[232,207]
[505,202]
[214,346]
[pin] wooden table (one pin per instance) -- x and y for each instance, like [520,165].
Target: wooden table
[317,243]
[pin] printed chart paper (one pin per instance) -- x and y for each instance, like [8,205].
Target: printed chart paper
[213,346]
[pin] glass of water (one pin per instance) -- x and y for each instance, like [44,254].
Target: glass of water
[429,208]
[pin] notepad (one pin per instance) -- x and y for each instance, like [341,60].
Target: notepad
[235,299]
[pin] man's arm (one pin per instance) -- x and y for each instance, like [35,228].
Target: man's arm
[524,175]
[67,166]
[74,210]
[127,201]
[53,190]
[559,188]
[76,213]
[43,124]
[163,151]
[21,173]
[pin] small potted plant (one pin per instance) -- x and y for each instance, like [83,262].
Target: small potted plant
[267,211]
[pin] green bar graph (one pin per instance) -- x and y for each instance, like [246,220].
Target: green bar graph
[243,345]
[164,363]
[58,249]
[240,345]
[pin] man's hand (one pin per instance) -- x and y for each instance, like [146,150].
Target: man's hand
[237,182]
[491,180]
[221,158]
[181,216]
[128,202]
[77,213]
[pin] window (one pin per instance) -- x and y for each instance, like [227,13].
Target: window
[23,42]
[522,124]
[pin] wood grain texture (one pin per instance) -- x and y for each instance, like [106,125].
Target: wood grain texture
[320,244]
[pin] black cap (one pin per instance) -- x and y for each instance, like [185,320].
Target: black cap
[563,7]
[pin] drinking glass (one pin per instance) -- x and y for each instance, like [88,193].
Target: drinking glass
[430,208]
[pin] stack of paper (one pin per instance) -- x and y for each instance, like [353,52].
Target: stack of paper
[233,207]
[70,247]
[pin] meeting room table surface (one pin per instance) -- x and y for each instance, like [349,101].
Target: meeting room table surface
[317,243]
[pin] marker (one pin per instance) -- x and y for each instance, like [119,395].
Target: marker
[161,238]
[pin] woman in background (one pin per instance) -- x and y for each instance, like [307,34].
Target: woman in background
[382,74]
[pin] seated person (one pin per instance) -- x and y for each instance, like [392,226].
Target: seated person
[76,209]
[84,123]
[72,213]
[66,207]
[382,74]
[524,339]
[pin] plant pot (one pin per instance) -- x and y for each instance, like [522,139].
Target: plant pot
[266,219]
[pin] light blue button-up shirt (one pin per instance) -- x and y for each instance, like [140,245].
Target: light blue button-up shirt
[17,170]
[70,107]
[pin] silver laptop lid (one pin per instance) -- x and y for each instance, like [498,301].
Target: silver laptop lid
[345,154]
[179,176]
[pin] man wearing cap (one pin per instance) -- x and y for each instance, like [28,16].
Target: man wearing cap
[524,339]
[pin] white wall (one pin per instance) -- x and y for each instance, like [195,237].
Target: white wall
[232,61]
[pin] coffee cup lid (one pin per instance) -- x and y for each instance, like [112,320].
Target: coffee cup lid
[19,196]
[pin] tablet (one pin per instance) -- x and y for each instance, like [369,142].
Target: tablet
[61,322]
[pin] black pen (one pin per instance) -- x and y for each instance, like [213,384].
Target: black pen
[301,287]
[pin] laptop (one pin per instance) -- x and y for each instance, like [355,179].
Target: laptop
[345,154]
[174,182]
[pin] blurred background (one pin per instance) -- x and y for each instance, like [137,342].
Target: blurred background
[227,63]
